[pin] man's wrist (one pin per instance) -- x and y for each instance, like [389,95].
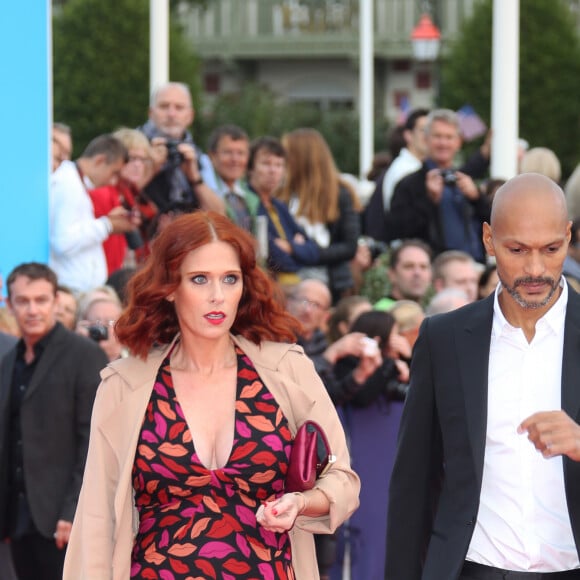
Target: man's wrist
[108,224]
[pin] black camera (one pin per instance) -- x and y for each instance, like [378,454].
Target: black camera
[174,157]
[449,177]
[98,332]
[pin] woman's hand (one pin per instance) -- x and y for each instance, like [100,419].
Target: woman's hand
[403,370]
[399,346]
[279,515]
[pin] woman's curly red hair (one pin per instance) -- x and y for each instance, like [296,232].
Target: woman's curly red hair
[150,319]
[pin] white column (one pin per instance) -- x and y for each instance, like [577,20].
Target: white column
[505,87]
[366,86]
[159,43]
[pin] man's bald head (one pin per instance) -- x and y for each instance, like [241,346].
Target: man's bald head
[528,188]
[528,235]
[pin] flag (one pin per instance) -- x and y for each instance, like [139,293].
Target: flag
[470,123]
[404,110]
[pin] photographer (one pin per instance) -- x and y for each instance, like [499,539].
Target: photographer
[179,169]
[97,322]
[438,203]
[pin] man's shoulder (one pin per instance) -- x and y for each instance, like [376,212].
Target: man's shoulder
[414,179]
[7,341]
[405,163]
[63,171]
[66,177]
[74,344]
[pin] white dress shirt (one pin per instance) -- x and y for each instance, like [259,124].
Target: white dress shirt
[76,236]
[523,522]
[404,164]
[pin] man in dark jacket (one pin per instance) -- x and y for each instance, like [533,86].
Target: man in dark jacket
[180,169]
[48,382]
[439,204]
[486,482]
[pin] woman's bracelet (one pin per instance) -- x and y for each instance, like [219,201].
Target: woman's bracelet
[304,502]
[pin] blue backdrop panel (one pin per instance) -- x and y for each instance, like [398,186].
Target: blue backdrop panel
[25,118]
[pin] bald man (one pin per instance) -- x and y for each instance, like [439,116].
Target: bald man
[486,483]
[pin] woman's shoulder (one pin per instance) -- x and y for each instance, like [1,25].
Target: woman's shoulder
[267,353]
[134,370]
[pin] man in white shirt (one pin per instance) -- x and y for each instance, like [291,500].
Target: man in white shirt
[410,157]
[486,483]
[409,160]
[76,236]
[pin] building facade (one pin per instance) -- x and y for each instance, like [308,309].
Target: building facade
[308,50]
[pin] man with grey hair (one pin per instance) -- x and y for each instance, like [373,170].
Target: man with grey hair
[438,203]
[446,300]
[180,170]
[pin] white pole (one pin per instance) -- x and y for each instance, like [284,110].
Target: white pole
[366,86]
[159,43]
[505,87]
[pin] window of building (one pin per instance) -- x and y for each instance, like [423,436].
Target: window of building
[423,80]
[211,83]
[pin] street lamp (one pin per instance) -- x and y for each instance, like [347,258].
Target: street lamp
[425,39]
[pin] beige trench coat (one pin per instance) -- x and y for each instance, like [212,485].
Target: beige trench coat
[106,520]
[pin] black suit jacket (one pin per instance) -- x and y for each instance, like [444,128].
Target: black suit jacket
[433,510]
[55,419]
[7,341]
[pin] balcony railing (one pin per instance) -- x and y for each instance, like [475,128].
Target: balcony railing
[273,28]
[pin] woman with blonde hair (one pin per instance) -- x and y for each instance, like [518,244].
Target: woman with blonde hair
[128,193]
[542,160]
[324,205]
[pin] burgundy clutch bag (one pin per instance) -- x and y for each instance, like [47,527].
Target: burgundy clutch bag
[310,457]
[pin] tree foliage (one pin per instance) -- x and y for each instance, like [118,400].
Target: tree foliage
[101,65]
[549,74]
[261,112]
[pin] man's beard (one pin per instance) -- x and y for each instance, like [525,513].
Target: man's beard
[513,292]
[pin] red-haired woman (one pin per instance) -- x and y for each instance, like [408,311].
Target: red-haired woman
[190,436]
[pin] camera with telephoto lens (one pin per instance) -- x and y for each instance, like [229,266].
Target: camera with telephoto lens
[174,157]
[98,332]
[449,177]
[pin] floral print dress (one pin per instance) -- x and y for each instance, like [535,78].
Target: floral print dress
[196,523]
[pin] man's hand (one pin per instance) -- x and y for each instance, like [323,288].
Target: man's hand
[553,433]
[158,153]
[434,185]
[189,165]
[284,245]
[122,220]
[62,533]
[467,186]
